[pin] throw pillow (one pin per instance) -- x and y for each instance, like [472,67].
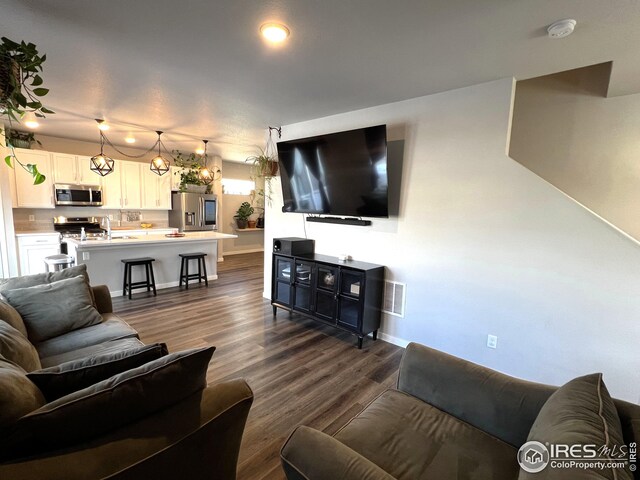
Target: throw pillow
[11,316]
[51,309]
[49,277]
[117,401]
[18,395]
[15,347]
[68,377]
[578,413]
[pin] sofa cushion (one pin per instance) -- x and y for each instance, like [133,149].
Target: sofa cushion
[52,309]
[111,328]
[580,412]
[11,316]
[15,347]
[117,401]
[68,377]
[410,439]
[18,395]
[42,278]
[104,348]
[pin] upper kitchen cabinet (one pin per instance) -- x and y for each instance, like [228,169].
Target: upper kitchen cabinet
[111,188]
[156,190]
[29,195]
[130,180]
[73,169]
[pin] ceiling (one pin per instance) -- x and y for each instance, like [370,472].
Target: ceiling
[198,68]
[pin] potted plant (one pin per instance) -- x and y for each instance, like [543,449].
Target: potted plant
[190,166]
[242,214]
[18,139]
[21,90]
[264,164]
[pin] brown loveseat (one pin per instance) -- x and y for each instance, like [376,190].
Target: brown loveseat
[197,438]
[447,419]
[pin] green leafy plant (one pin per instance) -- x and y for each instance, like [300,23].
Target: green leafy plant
[16,139]
[264,166]
[190,166]
[244,211]
[20,91]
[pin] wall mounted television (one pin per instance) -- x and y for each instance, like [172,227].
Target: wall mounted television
[342,173]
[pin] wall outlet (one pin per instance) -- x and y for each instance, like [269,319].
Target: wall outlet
[32,218]
[492,341]
[86,256]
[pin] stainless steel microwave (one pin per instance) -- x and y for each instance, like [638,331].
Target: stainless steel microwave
[78,195]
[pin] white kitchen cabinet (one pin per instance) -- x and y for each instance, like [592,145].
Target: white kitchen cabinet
[33,249]
[73,169]
[29,195]
[130,181]
[111,188]
[156,190]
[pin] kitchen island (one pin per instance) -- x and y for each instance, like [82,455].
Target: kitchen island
[103,257]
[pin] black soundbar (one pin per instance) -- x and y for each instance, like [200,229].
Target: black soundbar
[340,220]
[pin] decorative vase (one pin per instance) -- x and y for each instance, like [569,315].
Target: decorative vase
[251,223]
[241,223]
[19,143]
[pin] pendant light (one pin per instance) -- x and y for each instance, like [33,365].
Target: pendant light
[101,164]
[159,165]
[205,175]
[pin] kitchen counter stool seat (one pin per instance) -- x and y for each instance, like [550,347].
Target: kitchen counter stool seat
[184,268]
[149,282]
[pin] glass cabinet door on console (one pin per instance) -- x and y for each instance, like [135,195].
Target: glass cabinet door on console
[325,295]
[302,286]
[351,284]
[283,281]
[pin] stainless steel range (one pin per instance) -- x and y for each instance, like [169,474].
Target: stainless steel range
[72,228]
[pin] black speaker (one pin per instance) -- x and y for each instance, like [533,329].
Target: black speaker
[293,246]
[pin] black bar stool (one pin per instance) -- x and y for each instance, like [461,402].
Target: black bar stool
[150,281]
[184,268]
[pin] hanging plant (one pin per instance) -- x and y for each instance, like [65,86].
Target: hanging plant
[190,166]
[20,91]
[264,166]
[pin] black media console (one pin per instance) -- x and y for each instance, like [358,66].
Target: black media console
[346,295]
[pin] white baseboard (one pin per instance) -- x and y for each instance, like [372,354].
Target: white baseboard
[401,342]
[240,252]
[159,286]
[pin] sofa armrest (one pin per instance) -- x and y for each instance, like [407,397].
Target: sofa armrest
[197,438]
[503,406]
[309,454]
[103,299]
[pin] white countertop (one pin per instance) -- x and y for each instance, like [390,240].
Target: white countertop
[25,233]
[149,240]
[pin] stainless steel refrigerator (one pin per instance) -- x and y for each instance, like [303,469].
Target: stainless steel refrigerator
[192,212]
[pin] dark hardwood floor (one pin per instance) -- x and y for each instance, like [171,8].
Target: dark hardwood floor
[300,372]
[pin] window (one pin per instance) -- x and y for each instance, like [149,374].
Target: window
[233,186]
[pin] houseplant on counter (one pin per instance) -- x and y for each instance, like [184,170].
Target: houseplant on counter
[21,90]
[242,215]
[190,166]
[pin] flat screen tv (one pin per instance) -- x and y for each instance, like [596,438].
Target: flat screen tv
[341,173]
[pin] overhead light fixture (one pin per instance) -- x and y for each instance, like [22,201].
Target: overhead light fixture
[561,28]
[274,32]
[130,139]
[202,150]
[102,125]
[30,121]
[101,164]
[159,165]
[206,174]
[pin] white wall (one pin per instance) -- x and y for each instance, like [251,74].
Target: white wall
[486,246]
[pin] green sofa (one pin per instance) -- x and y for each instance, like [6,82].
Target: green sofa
[447,419]
[197,437]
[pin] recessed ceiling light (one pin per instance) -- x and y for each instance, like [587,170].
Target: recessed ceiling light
[130,139]
[561,28]
[30,121]
[274,32]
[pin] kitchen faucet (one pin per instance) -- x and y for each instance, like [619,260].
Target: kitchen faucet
[108,226]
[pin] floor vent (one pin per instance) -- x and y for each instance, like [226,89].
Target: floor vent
[394,298]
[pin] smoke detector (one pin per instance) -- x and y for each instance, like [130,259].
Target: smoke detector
[561,28]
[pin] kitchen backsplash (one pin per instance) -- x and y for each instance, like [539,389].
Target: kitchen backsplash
[43,218]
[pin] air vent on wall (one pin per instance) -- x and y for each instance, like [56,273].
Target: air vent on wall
[394,298]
